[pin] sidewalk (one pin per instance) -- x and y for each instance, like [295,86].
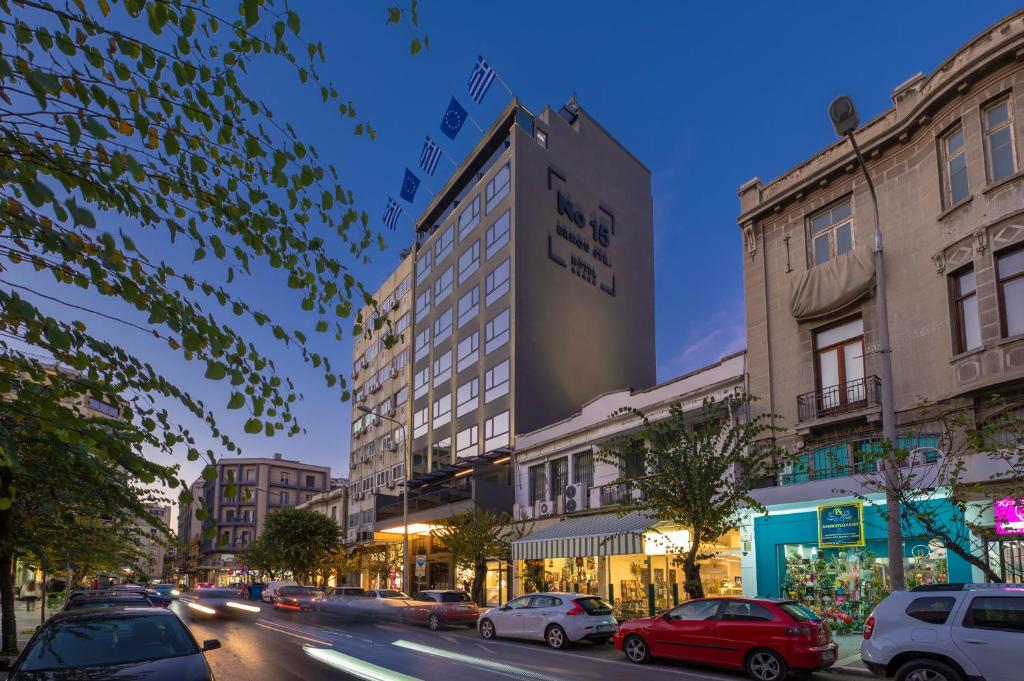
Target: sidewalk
[849,655]
[26,622]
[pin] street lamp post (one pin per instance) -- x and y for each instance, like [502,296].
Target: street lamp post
[844,120]
[405,493]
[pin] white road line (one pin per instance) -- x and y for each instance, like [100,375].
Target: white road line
[291,633]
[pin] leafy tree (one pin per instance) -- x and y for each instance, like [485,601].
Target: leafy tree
[337,563]
[476,536]
[260,557]
[380,560]
[299,540]
[694,470]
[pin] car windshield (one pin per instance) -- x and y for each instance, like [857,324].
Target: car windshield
[390,593]
[594,606]
[799,612]
[217,593]
[460,597]
[88,642]
[82,603]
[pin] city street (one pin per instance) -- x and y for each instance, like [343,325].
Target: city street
[308,646]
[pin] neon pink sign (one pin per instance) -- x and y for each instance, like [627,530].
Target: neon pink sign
[1009,516]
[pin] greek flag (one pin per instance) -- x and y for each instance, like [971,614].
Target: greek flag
[480,80]
[391,213]
[430,156]
[409,186]
[453,119]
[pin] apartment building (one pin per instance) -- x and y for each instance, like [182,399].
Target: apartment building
[190,534]
[946,162]
[262,485]
[152,543]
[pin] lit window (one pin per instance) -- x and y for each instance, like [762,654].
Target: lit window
[469,306]
[423,267]
[419,422]
[496,432]
[497,234]
[954,155]
[467,398]
[421,383]
[541,137]
[469,351]
[443,286]
[469,262]
[423,304]
[442,410]
[997,124]
[496,382]
[443,368]
[497,283]
[497,188]
[1010,271]
[496,331]
[470,218]
[442,327]
[445,243]
[467,442]
[422,344]
[832,232]
[965,304]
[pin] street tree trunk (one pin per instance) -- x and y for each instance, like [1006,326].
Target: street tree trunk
[479,582]
[8,624]
[691,570]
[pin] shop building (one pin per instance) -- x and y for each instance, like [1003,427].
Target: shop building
[565,488]
[190,535]
[946,162]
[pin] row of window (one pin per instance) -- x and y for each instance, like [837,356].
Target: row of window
[496,384]
[468,443]
[999,147]
[381,478]
[400,325]
[392,369]
[963,286]
[467,309]
[496,284]
[557,471]
[467,353]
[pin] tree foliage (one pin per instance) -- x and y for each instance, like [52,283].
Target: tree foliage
[295,540]
[476,536]
[695,470]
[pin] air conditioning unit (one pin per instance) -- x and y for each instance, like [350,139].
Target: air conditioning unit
[391,484]
[544,508]
[375,388]
[394,304]
[366,363]
[524,513]
[390,411]
[392,447]
[576,498]
[394,373]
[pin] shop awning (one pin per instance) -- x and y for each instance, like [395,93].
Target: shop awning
[606,534]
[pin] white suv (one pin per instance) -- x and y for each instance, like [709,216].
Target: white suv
[948,632]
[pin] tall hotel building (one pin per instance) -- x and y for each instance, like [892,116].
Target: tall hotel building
[533,291]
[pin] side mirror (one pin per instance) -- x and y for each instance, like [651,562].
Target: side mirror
[505,608]
[211,644]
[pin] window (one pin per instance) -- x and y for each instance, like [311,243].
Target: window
[538,483]
[285,499]
[997,126]
[402,324]
[402,396]
[541,137]
[401,360]
[310,481]
[583,469]
[741,611]
[497,188]
[996,612]
[445,243]
[443,286]
[559,476]
[250,474]
[954,164]
[443,327]
[496,382]
[497,283]
[419,422]
[496,432]
[467,397]
[470,218]
[421,383]
[423,267]
[422,344]
[467,442]
[423,304]
[468,351]
[832,232]
[839,352]
[443,368]
[285,479]
[103,408]
[469,262]
[403,288]
[442,410]
[695,611]
[931,609]
[497,234]
[1010,275]
[965,309]
[469,305]
[496,331]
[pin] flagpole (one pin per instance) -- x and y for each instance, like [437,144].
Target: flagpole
[450,159]
[471,120]
[504,84]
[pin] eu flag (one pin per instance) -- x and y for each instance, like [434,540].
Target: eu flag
[409,186]
[453,119]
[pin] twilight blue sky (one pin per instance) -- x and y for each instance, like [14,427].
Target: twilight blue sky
[707,95]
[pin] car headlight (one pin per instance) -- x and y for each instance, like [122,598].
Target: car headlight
[175,592]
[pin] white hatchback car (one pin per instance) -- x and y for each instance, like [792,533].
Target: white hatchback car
[947,632]
[558,618]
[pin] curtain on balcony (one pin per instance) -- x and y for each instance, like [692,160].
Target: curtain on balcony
[831,286]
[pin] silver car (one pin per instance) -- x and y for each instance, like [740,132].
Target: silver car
[558,618]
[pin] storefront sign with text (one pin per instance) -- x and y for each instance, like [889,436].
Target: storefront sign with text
[840,525]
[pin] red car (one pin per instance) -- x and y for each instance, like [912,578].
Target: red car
[768,638]
[446,607]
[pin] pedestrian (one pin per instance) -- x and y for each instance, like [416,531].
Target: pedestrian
[29,595]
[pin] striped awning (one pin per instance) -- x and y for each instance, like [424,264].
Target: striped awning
[606,534]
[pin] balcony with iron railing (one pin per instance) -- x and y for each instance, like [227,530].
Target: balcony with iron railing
[837,400]
[614,494]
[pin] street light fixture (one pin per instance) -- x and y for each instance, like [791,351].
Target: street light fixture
[405,493]
[844,121]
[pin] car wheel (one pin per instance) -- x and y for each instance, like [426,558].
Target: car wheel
[487,629]
[434,622]
[766,665]
[636,650]
[927,670]
[556,637]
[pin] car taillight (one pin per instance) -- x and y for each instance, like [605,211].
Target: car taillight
[869,627]
[577,609]
[800,631]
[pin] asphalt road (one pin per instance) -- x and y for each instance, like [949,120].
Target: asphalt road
[282,646]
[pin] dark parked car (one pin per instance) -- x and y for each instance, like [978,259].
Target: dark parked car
[766,637]
[446,607]
[140,644]
[296,597]
[107,599]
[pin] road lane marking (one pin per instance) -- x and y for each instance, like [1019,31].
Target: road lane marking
[292,633]
[354,665]
[500,667]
